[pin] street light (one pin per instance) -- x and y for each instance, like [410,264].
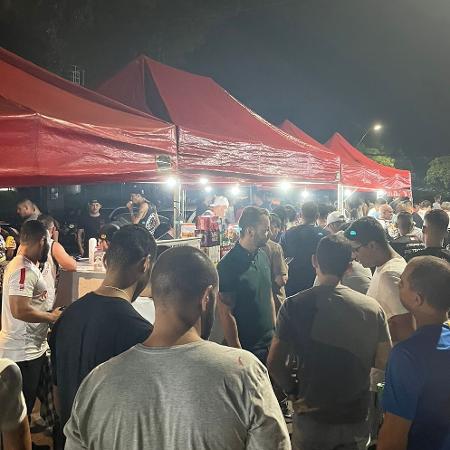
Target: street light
[376,127]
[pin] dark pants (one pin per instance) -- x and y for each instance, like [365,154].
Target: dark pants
[31,374]
[309,434]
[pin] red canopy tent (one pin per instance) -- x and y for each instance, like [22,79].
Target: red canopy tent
[218,135]
[357,170]
[53,132]
[360,171]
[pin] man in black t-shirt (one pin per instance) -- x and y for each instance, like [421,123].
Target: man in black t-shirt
[410,236]
[103,324]
[89,227]
[299,243]
[246,306]
[434,234]
[337,335]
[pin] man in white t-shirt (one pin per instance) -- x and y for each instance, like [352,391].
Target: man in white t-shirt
[26,310]
[13,412]
[370,244]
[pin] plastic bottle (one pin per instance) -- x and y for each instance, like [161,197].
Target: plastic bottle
[92,248]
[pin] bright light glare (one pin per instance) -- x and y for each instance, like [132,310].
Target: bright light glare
[208,189]
[381,194]
[305,194]
[171,182]
[235,191]
[204,181]
[285,185]
[377,127]
[348,192]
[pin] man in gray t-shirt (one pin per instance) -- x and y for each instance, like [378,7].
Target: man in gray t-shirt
[176,391]
[337,335]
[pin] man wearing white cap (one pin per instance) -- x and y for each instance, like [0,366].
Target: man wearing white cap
[334,221]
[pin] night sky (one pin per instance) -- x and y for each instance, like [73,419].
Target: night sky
[327,65]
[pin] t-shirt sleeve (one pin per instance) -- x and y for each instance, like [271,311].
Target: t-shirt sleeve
[13,409]
[267,425]
[383,327]
[402,390]
[135,329]
[227,281]
[73,430]
[22,282]
[287,249]
[279,266]
[390,300]
[283,329]
[82,223]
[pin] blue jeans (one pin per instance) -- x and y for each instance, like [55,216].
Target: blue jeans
[309,434]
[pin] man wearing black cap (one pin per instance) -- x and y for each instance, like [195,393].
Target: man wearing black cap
[89,226]
[146,215]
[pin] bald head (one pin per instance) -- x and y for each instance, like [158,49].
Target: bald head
[181,276]
[429,277]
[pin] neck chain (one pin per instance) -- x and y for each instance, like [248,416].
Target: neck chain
[119,290]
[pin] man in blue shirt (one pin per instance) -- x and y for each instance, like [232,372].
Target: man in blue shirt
[416,398]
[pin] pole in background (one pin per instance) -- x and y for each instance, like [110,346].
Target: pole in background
[340,197]
[177,217]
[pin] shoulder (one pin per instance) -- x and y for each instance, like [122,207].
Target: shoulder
[232,361]
[10,376]
[303,300]
[228,260]
[361,301]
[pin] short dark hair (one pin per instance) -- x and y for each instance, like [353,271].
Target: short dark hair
[47,220]
[429,276]
[182,274]
[425,204]
[381,201]
[32,232]
[324,210]
[250,217]
[291,213]
[275,221]
[405,217]
[129,245]
[437,219]
[281,213]
[23,201]
[334,254]
[365,230]
[310,211]
[108,231]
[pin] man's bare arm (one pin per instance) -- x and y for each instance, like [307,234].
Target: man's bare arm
[136,218]
[401,327]
[277,364]
[227,320]
[394,433]
[21,309]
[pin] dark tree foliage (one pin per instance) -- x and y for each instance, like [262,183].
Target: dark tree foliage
[101,36]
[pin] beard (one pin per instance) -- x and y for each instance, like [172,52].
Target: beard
[207,318]
[141,285]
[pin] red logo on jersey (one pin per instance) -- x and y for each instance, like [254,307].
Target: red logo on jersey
[22,279]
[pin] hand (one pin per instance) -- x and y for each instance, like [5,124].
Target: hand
[130,205]
[56,235]
[54,315]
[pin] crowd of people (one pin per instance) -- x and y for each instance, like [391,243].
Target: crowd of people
[338,316]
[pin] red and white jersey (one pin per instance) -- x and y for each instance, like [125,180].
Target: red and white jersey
[19,340]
